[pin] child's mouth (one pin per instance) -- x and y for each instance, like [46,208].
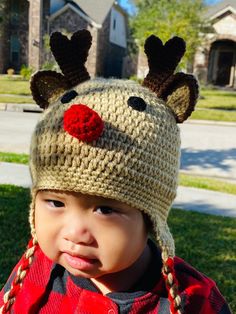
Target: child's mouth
[80,263]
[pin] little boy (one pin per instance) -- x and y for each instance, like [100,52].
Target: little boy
[104,166]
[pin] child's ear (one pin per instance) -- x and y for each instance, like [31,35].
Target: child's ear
[181,95]
[46,86]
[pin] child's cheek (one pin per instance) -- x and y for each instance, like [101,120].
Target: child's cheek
[47,232]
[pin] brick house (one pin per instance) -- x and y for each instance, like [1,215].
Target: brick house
[28,21]
[215,60]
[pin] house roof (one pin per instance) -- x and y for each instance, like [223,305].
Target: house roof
[220,8]
[96,10]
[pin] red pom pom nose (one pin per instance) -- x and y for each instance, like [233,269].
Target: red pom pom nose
[83,123]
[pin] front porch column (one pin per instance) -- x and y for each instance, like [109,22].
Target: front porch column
[35,33]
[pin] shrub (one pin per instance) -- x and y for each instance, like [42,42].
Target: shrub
[49,65]
[26,72]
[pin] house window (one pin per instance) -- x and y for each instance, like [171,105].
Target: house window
[114,24]
[15,49]
[15,12]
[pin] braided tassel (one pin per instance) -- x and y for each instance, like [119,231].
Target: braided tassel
[171,284]
[10,296]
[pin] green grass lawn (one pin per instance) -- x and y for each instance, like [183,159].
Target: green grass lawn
[16,158]
[217,99]
[216,105]
[207,242]
[207,183]
[16,99]
[14,85]
[14,226]
[214,115]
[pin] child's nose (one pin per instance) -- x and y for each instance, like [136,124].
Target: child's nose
[77,232]
[82,122]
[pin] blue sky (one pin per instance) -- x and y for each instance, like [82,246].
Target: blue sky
[126,5]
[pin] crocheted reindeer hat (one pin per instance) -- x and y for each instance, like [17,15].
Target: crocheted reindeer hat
[114,138]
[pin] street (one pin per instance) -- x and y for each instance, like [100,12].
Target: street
[15,131]
[208,150]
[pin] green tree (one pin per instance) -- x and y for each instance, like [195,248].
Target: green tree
[3,4]
[168,18]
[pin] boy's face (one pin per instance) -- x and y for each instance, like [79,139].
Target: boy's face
[90,236]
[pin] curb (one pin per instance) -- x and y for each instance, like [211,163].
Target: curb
[20,107]
[210,122]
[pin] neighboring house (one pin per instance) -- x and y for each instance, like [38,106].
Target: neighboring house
[14,34]
[31,20]
[215,60]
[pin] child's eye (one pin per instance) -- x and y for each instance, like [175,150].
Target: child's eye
[105,210]
[55,203]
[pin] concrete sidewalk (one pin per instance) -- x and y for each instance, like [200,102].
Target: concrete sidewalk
[206,201]
[200,200]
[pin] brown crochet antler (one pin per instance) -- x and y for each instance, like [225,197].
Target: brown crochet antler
[162,60]
[71,55]
[179,90]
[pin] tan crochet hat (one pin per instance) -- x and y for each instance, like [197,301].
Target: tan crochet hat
[112,138]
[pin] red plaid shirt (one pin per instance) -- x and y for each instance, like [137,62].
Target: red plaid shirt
[49,289]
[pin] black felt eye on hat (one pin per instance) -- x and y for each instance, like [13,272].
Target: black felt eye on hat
[67,97]
[137,103]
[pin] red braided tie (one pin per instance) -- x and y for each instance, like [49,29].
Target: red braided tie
[25,263]
[16,285]
[15,289]
[6,307]
[30,244]
[170,264]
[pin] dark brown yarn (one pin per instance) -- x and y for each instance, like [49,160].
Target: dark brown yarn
[180,91]
[47,84]
[71,55]
[162,60]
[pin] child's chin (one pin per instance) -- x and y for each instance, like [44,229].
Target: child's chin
[81,273]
